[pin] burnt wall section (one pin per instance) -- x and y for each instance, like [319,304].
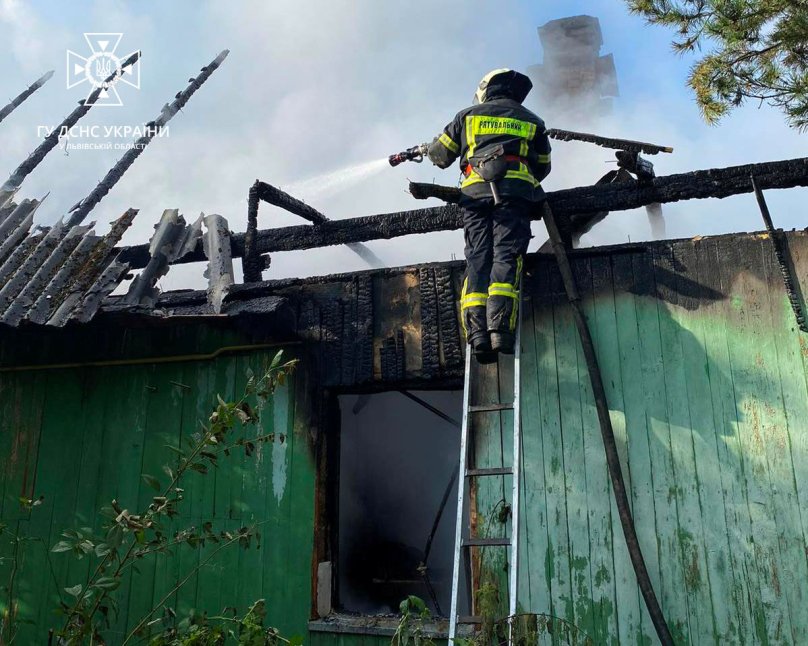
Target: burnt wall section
[440,329]
[399,328]
[395,328]
[378,329]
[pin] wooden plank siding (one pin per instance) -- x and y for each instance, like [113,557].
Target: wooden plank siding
[706,375]
[98,429]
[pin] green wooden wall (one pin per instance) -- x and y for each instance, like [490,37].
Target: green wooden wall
[705,373]
[81,437]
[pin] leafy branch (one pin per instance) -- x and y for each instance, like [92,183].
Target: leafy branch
[132,536]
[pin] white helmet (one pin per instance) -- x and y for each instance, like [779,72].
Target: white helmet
[479,95]
[503,83]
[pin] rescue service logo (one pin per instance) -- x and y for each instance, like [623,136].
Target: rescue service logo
[103,69]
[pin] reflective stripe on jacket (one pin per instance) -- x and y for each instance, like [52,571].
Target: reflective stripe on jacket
[497,121]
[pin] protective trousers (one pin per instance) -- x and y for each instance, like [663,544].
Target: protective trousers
[496,241]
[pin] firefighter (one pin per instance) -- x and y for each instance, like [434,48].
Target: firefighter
[504,154]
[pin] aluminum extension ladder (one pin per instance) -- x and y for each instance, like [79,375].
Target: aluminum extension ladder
[463,541]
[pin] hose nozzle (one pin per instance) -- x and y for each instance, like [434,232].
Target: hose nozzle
[414,154]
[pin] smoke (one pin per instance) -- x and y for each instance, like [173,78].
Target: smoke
[310,87]
[391,483]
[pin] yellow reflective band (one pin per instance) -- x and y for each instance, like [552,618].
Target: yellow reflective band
[473,178]
[462,295]
[544,159]
[523,148]
[470,137]
[500,292]
[501,286]
[523,175]
[485,125]
[446,140]
[473,300]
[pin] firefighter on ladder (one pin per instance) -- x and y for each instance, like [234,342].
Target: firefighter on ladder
[504,154]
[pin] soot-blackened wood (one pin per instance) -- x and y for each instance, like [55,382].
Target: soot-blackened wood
[608,142]
[332,339]
[308,321]
[22,96]
[392,358]
[349,334]
[401,359]
[718,182]
[620,196]
[52,140]
[364,362]
[448,320]
[784,261]
[430,359]
[250,262]
[665,265]
[387,354]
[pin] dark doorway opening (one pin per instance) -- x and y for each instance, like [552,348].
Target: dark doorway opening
[396,505]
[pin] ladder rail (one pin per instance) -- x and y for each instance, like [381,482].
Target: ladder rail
[461,495]
[517,464]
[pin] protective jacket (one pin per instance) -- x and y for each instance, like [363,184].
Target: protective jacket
[498,119]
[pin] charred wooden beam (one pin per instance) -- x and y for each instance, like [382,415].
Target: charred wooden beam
[152,129]
[261,191]
[22,96]
[783,256]
[628,145]
[277,197]
[50,142]
[718,183]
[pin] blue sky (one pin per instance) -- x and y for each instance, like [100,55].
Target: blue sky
[311,87]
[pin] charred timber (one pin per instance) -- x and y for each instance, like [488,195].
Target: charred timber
[153,128]
[261,191]
[621,196]
[22,96]
[52,139]
[628,145]
[271,195]
[718,183]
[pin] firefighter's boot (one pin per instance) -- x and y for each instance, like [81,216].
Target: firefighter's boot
[503,342]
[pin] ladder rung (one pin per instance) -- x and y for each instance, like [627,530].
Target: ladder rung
[485,542]
[469,619]
[484,408]
[499,471]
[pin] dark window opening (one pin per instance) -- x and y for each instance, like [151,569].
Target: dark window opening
[397,460]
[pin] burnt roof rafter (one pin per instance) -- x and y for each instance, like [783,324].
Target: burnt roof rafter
[566,204]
